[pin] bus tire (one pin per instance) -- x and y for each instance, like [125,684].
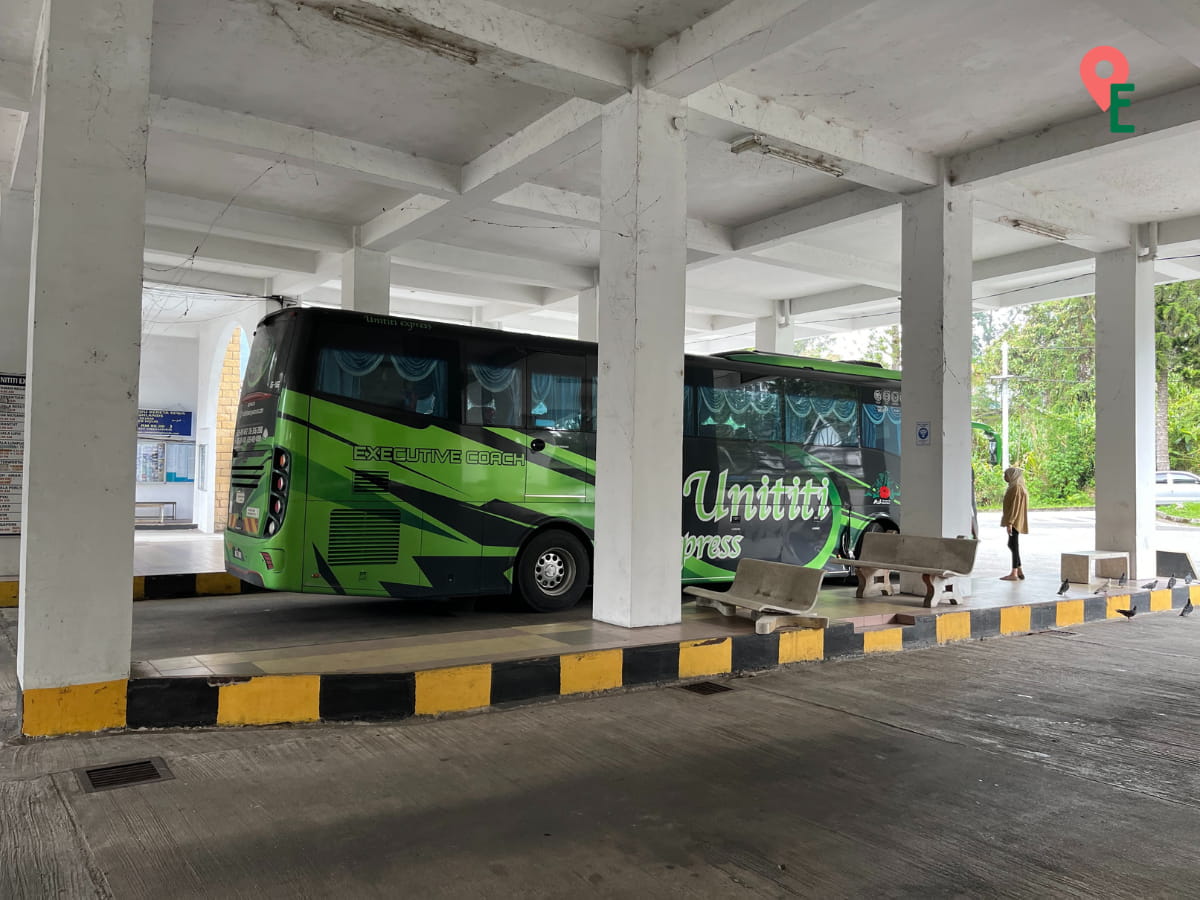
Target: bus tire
[553,571]
[874,525]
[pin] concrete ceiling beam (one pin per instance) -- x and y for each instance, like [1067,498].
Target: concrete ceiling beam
[1026,261]
[832,300]
[519,46]
[216,218]
[1089,138]
[215,248]
[552,140]
[570,208]
[861,204]
[498,266]
[295,284]
[722,303]
[736,36]
[831,264]
[465,285]
[1175,24]
[1009,204]
[199,279]
[303,147]
[16,86]
[726,114]
[1179,231]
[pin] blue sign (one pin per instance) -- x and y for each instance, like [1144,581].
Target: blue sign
[164,423]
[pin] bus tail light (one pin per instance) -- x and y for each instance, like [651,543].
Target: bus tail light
[281,462]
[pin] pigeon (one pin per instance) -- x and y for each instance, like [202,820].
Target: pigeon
[1187,608]
[1187,578]
[1150,585]
[1171,582]
[1129,613]
[1062,588]
[1121,581]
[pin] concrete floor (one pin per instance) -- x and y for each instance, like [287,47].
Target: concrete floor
[1059,765]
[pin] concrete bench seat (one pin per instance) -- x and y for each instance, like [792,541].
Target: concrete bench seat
[1076,565]
[769,593]
[944,564]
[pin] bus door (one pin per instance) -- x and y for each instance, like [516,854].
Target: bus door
[559,470]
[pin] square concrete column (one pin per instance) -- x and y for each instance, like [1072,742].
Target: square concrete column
[935,319]
[775,334]
[1125,407]
[639,454]
[16,233]
[587,314]
[85,329]
[367,281]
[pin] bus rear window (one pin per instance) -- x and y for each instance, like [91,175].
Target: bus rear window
[262,369]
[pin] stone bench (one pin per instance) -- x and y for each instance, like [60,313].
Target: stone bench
[944,564]
[1076,566]
[770,594]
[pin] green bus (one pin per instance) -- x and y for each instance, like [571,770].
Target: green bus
[383,456]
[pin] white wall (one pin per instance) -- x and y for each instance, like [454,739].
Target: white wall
[169,381]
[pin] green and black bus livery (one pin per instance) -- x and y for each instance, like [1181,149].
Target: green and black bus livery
[382,456]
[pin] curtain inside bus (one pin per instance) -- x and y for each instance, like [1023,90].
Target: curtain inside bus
[410,383]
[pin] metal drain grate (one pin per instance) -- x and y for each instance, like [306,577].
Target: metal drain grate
[707,687]
[118,775]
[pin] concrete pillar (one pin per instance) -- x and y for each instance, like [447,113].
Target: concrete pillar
[85,326]
[1125,407]
[643,181]
[770,336]
[16,233]
[367,281]
[588,312]
[935,319]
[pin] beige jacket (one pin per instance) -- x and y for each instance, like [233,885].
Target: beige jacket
[1016,501]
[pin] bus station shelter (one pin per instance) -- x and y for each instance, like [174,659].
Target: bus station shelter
[664,177]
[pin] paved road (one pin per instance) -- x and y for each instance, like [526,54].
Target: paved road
[1053,765]
[1052,532]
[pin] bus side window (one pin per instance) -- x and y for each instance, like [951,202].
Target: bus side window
[746,412]
[493,395]
[555,398]
[821,414]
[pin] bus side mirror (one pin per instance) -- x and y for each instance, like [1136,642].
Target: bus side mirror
[993,456]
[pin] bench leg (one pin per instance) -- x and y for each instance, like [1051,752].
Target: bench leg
[873,582]
[938,588]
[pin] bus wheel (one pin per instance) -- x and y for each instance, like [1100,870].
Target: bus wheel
[873,525]
[553,571]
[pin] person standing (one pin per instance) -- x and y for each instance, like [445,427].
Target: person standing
[1015,518]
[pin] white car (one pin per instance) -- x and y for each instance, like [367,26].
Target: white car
[1176,487]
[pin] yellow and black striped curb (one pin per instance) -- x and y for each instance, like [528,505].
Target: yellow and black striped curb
[277,699]
[162,587]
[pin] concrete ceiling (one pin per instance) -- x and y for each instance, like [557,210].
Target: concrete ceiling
[280,137]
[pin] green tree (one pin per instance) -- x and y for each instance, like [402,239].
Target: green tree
[1177,371]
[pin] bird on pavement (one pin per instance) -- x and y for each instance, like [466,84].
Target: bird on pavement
[1150,585]
[1187,608]
[1171,582]
[1187,578]
[1124,578]
[1129,613]
[1062,588]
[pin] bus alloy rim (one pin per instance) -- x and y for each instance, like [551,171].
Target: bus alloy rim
[554,571]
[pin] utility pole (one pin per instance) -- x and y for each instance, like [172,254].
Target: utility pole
[1003,378]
